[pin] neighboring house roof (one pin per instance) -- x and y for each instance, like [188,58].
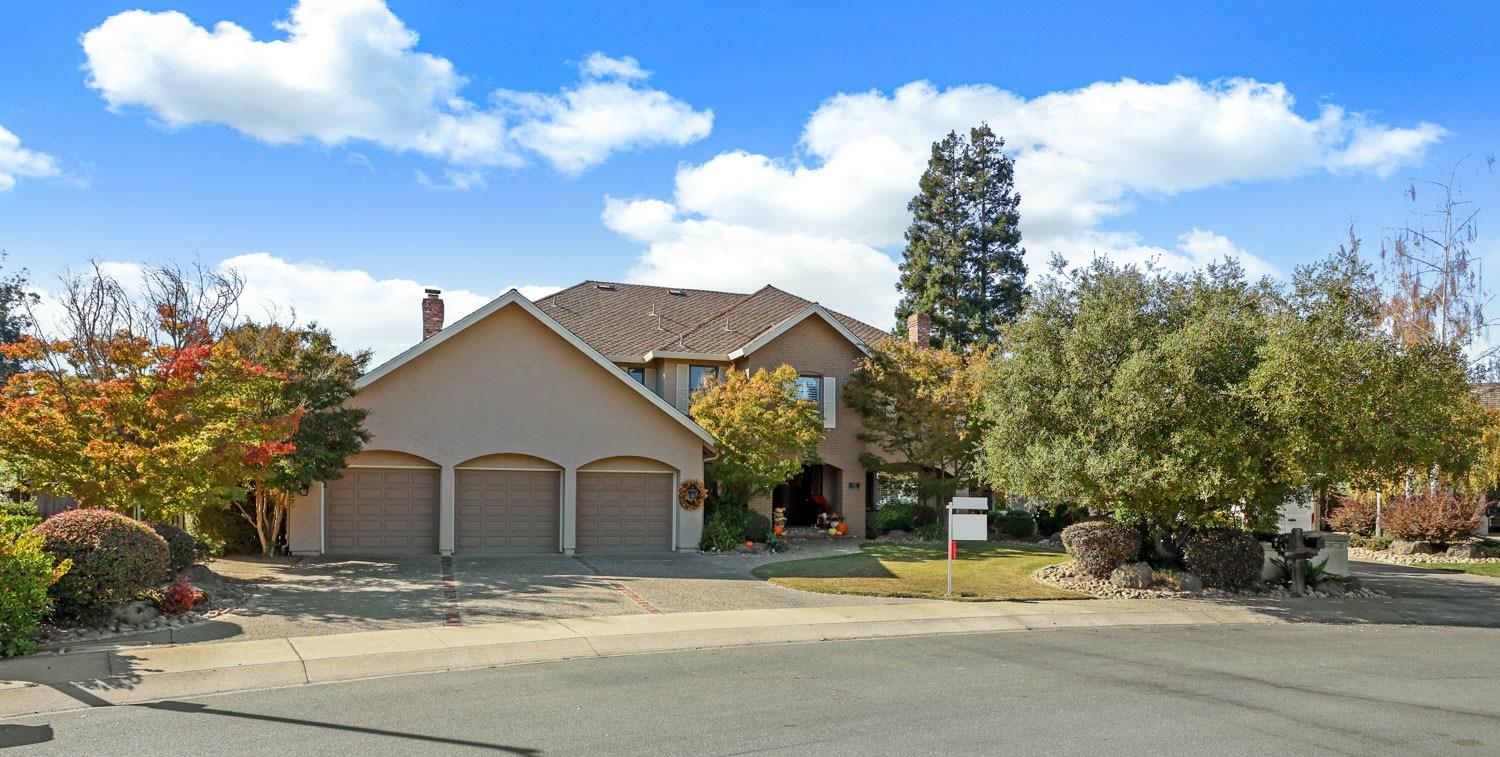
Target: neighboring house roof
[513,297]
[1489,394]
[631,321]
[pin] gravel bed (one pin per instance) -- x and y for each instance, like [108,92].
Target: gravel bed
[1386,556]
[1067,576]
[223,595]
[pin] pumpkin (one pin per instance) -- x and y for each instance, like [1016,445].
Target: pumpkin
[842,528]
[833,532]
[779,531]
[750,544]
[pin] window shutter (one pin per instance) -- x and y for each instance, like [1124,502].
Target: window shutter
[830,403]
[684,392]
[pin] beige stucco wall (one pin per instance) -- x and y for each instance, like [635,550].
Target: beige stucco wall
[814,347]
[508,385]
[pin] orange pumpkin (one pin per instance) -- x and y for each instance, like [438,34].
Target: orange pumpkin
[778,531]
[843,528]
[750,544]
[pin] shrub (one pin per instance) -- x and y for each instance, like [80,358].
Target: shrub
[931,532]
[182,548]
[1354,515]
[1100,546]
[1225,558]
[1444,517]
[27,509]
[26,571]
[1370,542]
[179,597]
[114,559]
[220,530]
[1052,519]
[1017,523]
[721,531]
[15,524]
[754,526]
[895,518]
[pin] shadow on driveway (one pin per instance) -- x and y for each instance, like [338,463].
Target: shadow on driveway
[1415,596]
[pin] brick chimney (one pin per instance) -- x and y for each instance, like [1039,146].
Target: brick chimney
[432,313]
[919,329]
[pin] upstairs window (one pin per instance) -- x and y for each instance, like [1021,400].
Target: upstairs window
[639,374]
[810,388]
[697,374]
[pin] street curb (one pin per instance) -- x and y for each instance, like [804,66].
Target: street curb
[132,675]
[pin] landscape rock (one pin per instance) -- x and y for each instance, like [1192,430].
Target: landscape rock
[136,613]
[1331,588]
[1468,550]
[1132,576]
[897,535]
[1189,582]
[1413,548]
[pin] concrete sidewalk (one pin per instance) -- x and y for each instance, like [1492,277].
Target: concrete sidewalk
[129,675]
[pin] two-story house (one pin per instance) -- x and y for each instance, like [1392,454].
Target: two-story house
[562,424]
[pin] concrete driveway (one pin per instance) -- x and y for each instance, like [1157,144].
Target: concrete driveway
[326,595]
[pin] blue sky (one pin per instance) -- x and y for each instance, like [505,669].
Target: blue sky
[182,151]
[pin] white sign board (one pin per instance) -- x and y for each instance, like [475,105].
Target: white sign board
[969,527]
[969,503]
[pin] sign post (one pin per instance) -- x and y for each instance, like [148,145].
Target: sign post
[967,521]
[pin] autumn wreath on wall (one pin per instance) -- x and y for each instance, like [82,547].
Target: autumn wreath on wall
[691,495]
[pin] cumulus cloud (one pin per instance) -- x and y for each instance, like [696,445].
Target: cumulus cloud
[1083,157]
[17,162]
[360,310]
[348,71]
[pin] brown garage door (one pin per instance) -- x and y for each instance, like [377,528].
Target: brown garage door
[507,511]
[382,511]
[625,512]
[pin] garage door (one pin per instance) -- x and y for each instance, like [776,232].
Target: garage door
[507,511]
[625,512]
[382,511]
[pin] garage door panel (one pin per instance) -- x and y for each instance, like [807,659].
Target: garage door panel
[507,511]
[382,511]
[625,512]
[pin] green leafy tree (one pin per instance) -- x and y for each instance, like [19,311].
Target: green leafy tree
[1122,389]
[763,431]
[920,409]
[319,380]
[963,263]
[1356,404]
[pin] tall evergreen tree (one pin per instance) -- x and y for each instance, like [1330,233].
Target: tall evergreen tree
[14,319]
[963,260]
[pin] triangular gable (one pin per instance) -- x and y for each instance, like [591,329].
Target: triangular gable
[514,297]
[767,336]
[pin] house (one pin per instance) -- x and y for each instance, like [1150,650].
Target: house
[562,424]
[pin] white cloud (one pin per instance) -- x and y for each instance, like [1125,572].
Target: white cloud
[17,162]
[360,310]
[1082,156]
[348,71]
[842,274]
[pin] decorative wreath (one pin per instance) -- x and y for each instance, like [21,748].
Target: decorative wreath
[691,495]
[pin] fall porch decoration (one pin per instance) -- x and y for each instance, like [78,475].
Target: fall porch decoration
[691,494]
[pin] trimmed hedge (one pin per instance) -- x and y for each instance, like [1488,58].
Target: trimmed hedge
[182,548]
[1100,546]
[1355,515]
[1441,518]
[1017,523]
[114,559]
[1225,558]
[895,518]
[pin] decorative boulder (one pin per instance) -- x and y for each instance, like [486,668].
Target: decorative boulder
[135,613]
[1132,576]
[1467,550]
[1400,547]
[897,534]
[1189,582]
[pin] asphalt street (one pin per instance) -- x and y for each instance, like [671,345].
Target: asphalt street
[1228,690]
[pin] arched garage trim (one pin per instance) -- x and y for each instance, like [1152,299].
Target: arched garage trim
[380,458]
[627,464]
[509,461]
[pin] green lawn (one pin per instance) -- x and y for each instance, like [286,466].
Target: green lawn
[987,572]
[1477,568]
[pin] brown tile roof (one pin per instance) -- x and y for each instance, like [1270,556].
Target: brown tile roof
[633,319]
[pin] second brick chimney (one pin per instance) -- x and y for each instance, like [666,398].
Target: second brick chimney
[919,329]
[432,313]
